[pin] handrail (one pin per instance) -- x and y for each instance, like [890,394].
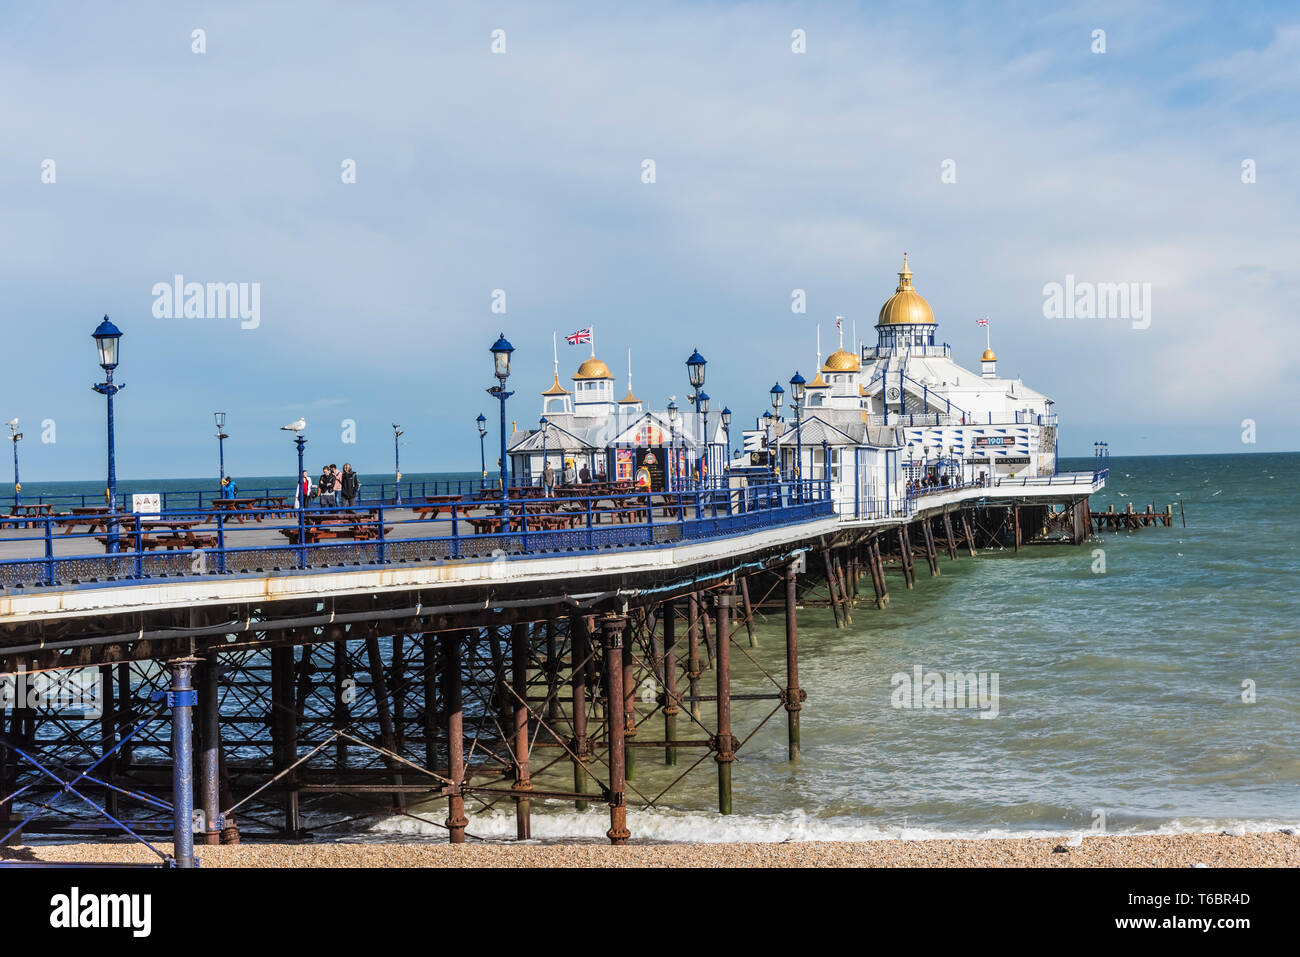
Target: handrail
[206,542]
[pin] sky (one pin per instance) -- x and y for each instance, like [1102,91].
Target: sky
[994,143]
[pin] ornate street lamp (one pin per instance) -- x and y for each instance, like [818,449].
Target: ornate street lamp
[501,350]
[797,385]
[397,463]
[695,373]
[106,336]
[544,422]
[17,437]
[481,421]
[726,431]
[220,419]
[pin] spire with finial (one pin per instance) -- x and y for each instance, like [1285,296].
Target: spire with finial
[904,277]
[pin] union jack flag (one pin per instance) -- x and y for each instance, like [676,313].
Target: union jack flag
[983,320]
[581,337]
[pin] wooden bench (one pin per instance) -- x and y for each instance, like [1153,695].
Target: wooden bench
[317,532]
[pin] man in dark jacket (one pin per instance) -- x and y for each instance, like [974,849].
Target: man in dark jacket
[351,485]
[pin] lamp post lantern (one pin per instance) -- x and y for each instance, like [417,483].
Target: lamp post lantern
[17,437]
[220,419]
[695,374]
[501,351]
[397,462]
[797,385]
[106,336]
[481,422]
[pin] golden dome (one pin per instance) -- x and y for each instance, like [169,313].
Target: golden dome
[842,361]
[556,388]
[629,399]
[593,368]
[906,306]
[988,356]
[819,383]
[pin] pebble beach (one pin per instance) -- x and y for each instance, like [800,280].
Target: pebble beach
[1271,849]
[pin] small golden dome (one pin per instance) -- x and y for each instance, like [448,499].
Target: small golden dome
[988,356]
[556,388]
[629,399]
[906,306]
[593,368]
[842,361]
[818,383]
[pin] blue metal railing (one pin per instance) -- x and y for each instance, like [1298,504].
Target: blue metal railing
[51,550]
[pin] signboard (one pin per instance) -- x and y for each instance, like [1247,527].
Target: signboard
[1002,460]
[995,440]
[146,504]
[624,465]
[650,472]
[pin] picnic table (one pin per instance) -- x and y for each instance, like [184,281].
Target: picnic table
[95,517]
[236,506]
[438,503]
[361,526]
[24,515]
[174,534]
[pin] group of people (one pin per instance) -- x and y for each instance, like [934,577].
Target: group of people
[332,489]
[566,477]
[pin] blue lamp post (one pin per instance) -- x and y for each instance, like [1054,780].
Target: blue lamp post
[220,419]
[501,350]
[397,463]
[726,431]
[671,471]
[17,437]
[702,407]
[543,422]
[797,385]
[481,421]
[778,394]
[106,336]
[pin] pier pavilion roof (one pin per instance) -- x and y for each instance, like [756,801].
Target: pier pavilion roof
[593,368]
[906,306]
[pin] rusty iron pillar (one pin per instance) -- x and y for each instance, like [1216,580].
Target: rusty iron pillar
[519,678]
[210,749]
[726,746]
[794,695]
[579,653]
[611,627]
[670,682]
[182,699]
[454,708]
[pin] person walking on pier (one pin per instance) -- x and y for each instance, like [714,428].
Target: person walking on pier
[350,485]
[584,475]
[548,481]
[227,488]
[304,490]
[326,485]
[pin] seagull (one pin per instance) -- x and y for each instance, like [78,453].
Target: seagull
[13,423]
[294,426]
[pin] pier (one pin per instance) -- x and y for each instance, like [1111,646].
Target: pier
[257,680]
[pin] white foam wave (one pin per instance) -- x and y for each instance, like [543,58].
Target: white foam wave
[667,826]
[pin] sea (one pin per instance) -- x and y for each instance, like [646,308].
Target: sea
[1146,682]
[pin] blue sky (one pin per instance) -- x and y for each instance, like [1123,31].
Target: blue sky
[775,171]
